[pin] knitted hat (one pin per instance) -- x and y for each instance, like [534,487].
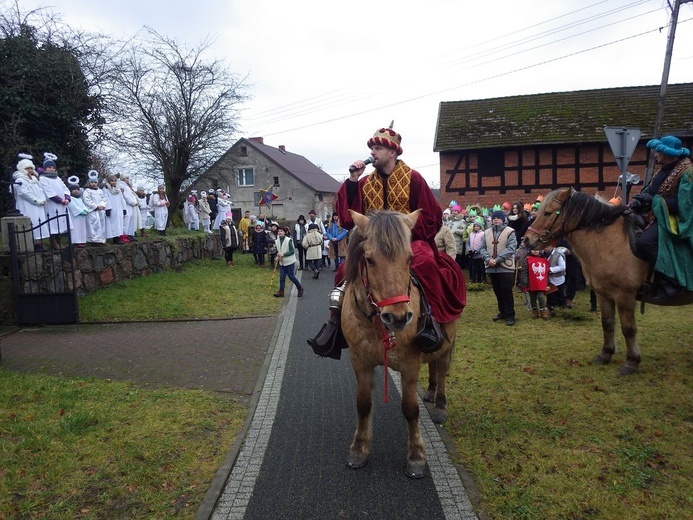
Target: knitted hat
[498,214]
[669,145]
[140,187]
[49,160]
[24,162]
[386,137]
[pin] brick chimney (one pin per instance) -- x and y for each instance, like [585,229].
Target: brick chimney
[257,139]
[282,148]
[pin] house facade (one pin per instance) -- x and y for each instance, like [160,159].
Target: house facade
[516,148]
[250,166]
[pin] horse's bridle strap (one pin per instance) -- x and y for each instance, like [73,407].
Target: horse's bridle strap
[402,298]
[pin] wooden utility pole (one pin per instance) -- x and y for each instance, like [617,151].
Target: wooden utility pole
[659,115]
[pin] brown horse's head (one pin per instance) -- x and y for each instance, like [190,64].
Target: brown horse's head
[378,260]
[549,225]
[565,211]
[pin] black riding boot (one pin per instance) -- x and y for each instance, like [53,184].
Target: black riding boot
[429,337]
[329,342]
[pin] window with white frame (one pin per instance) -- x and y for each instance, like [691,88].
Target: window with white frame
[245,176]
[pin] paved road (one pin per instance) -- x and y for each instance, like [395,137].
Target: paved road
[292,460]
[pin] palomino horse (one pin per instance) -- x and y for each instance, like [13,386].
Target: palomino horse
[380,312]
[600,234]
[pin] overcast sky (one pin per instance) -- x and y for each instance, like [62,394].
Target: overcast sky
[325,75]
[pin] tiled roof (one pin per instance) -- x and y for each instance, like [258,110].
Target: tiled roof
[560,117]
[298,166]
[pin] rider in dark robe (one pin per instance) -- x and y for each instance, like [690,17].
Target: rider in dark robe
[666,205]
[395,186]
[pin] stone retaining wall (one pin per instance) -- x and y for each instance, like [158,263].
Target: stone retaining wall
[97,267]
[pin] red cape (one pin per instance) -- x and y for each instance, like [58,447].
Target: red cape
[441,277]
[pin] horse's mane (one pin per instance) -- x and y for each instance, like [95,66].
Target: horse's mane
[387,235]
[583,211]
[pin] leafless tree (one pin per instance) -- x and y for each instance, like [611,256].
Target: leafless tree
[172,110]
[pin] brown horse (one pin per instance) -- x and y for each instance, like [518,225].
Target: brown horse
[601,236]
[380,313]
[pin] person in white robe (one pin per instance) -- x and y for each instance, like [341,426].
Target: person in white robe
[159,202]
[223,210]
[132,220]
[78,213]
[57,199]
[30,200]
[145,208]
[95,202]
[115,211]
[205,212]
[191,213]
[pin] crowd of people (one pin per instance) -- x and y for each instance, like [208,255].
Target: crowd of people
[486,241]
[111,209]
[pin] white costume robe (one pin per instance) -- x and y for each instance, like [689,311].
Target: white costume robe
[144,210]
[116,204]
[55,187]
[131,221]
[78,216]
[223,210]
[158,202]
[30,200]
[193,218]
[95,202]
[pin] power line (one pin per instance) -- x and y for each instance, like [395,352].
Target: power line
[496,76]
[303,107]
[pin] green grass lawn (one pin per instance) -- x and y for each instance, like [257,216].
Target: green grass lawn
[198,290]
[74,448]
[547,434]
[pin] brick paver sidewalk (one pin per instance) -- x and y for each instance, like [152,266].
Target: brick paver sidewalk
[221,355]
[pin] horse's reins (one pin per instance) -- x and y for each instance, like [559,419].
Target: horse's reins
[388,337]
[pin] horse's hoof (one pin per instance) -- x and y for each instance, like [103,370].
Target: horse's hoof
[357,460]
[626,370]
[416,469]
[439,416]
[429,396]
[599,360]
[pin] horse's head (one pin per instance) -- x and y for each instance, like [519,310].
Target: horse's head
[380,255]
[550,221]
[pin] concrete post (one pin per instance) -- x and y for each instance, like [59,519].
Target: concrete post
[21,223]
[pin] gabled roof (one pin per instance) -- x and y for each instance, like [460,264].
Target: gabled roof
[560,117]
[296,165]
